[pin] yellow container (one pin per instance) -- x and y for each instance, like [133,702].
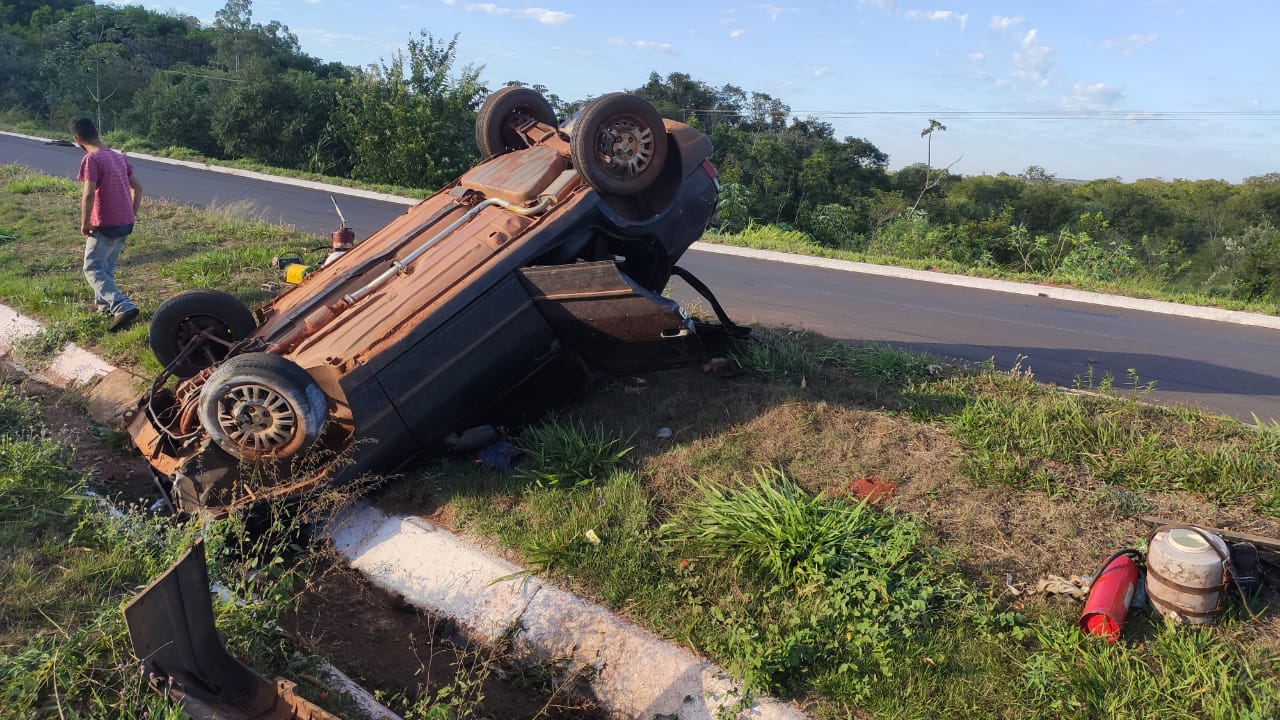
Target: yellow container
[293,274]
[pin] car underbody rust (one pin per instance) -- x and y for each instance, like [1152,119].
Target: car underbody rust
[487,304]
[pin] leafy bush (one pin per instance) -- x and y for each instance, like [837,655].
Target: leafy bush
[1258,275]
[838,226]
[906,237]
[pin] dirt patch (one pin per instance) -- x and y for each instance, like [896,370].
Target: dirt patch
[385,643]
[826,435]
[112,467]
[382,641]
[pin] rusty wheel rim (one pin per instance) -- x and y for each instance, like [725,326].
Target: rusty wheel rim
[257,418]
[626,147]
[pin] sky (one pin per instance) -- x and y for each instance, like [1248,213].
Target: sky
[1083,88]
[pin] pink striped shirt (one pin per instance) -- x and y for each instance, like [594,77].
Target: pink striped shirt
[112,201]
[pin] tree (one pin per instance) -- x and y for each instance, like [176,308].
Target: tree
[410,121]
[930,181]
[934,126]
[21,71]
[90,64]
[175,108]
[232,25]
[1034,174]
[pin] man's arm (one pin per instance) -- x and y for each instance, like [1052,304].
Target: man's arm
[135,189]
[86,207]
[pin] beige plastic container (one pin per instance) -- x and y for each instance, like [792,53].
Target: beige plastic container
[1185,574]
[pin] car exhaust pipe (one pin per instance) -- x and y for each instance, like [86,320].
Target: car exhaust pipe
[399,267]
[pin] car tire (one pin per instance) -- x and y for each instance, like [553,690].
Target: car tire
[619,144]
[183,317]
[260,407]
[502,112]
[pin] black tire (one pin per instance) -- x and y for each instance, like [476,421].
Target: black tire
[260,407]
[619,144]
[183,317]
[502,112]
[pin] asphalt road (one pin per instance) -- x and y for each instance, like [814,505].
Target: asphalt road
[1231,369]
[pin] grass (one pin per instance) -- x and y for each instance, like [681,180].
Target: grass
[66,568]
[737,534]
[743,542]
[569,453]
[173,248]
[768,237]
[1022,433]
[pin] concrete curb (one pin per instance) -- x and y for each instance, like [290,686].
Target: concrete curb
[1005,286]
[254,175]
[632,672]
[113,394]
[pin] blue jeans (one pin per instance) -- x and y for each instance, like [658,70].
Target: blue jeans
[101,254]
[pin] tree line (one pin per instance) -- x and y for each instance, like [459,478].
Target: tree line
[241,89]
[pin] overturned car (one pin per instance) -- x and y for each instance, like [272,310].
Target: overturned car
[485,305]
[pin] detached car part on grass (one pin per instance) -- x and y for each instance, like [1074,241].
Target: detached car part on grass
[172,629]
[488,303]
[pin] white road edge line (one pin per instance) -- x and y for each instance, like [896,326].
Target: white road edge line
[1005,286]
[254,175]
[1162,307]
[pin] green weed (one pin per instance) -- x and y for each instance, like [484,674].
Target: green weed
[569,454]
[886,365]
[41,184]
[779,354]
[834,587]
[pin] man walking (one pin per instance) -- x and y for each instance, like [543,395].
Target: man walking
[108,206]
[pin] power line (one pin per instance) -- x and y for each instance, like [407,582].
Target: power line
[1091,115]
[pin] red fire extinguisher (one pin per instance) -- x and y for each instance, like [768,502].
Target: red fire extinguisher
[1110,593]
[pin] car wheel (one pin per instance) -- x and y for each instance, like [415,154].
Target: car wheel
[619,144]
[503,112]
[260,406]
[183,318]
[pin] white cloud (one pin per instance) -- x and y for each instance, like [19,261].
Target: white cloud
[737,33]
[542,15]
[450,3]
[886,6]
[1128,43]
[489,9]
[977,56]
[1000,23]
[641,44]
[818,70]
[775,11]
[1093,96]
[321,36]
[938,16]
[545,16]
[1032,60]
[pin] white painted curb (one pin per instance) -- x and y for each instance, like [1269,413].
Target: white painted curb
[254,175]
[71,366]
[75,366]
[633,673]
[1005,286]
[1017,288]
